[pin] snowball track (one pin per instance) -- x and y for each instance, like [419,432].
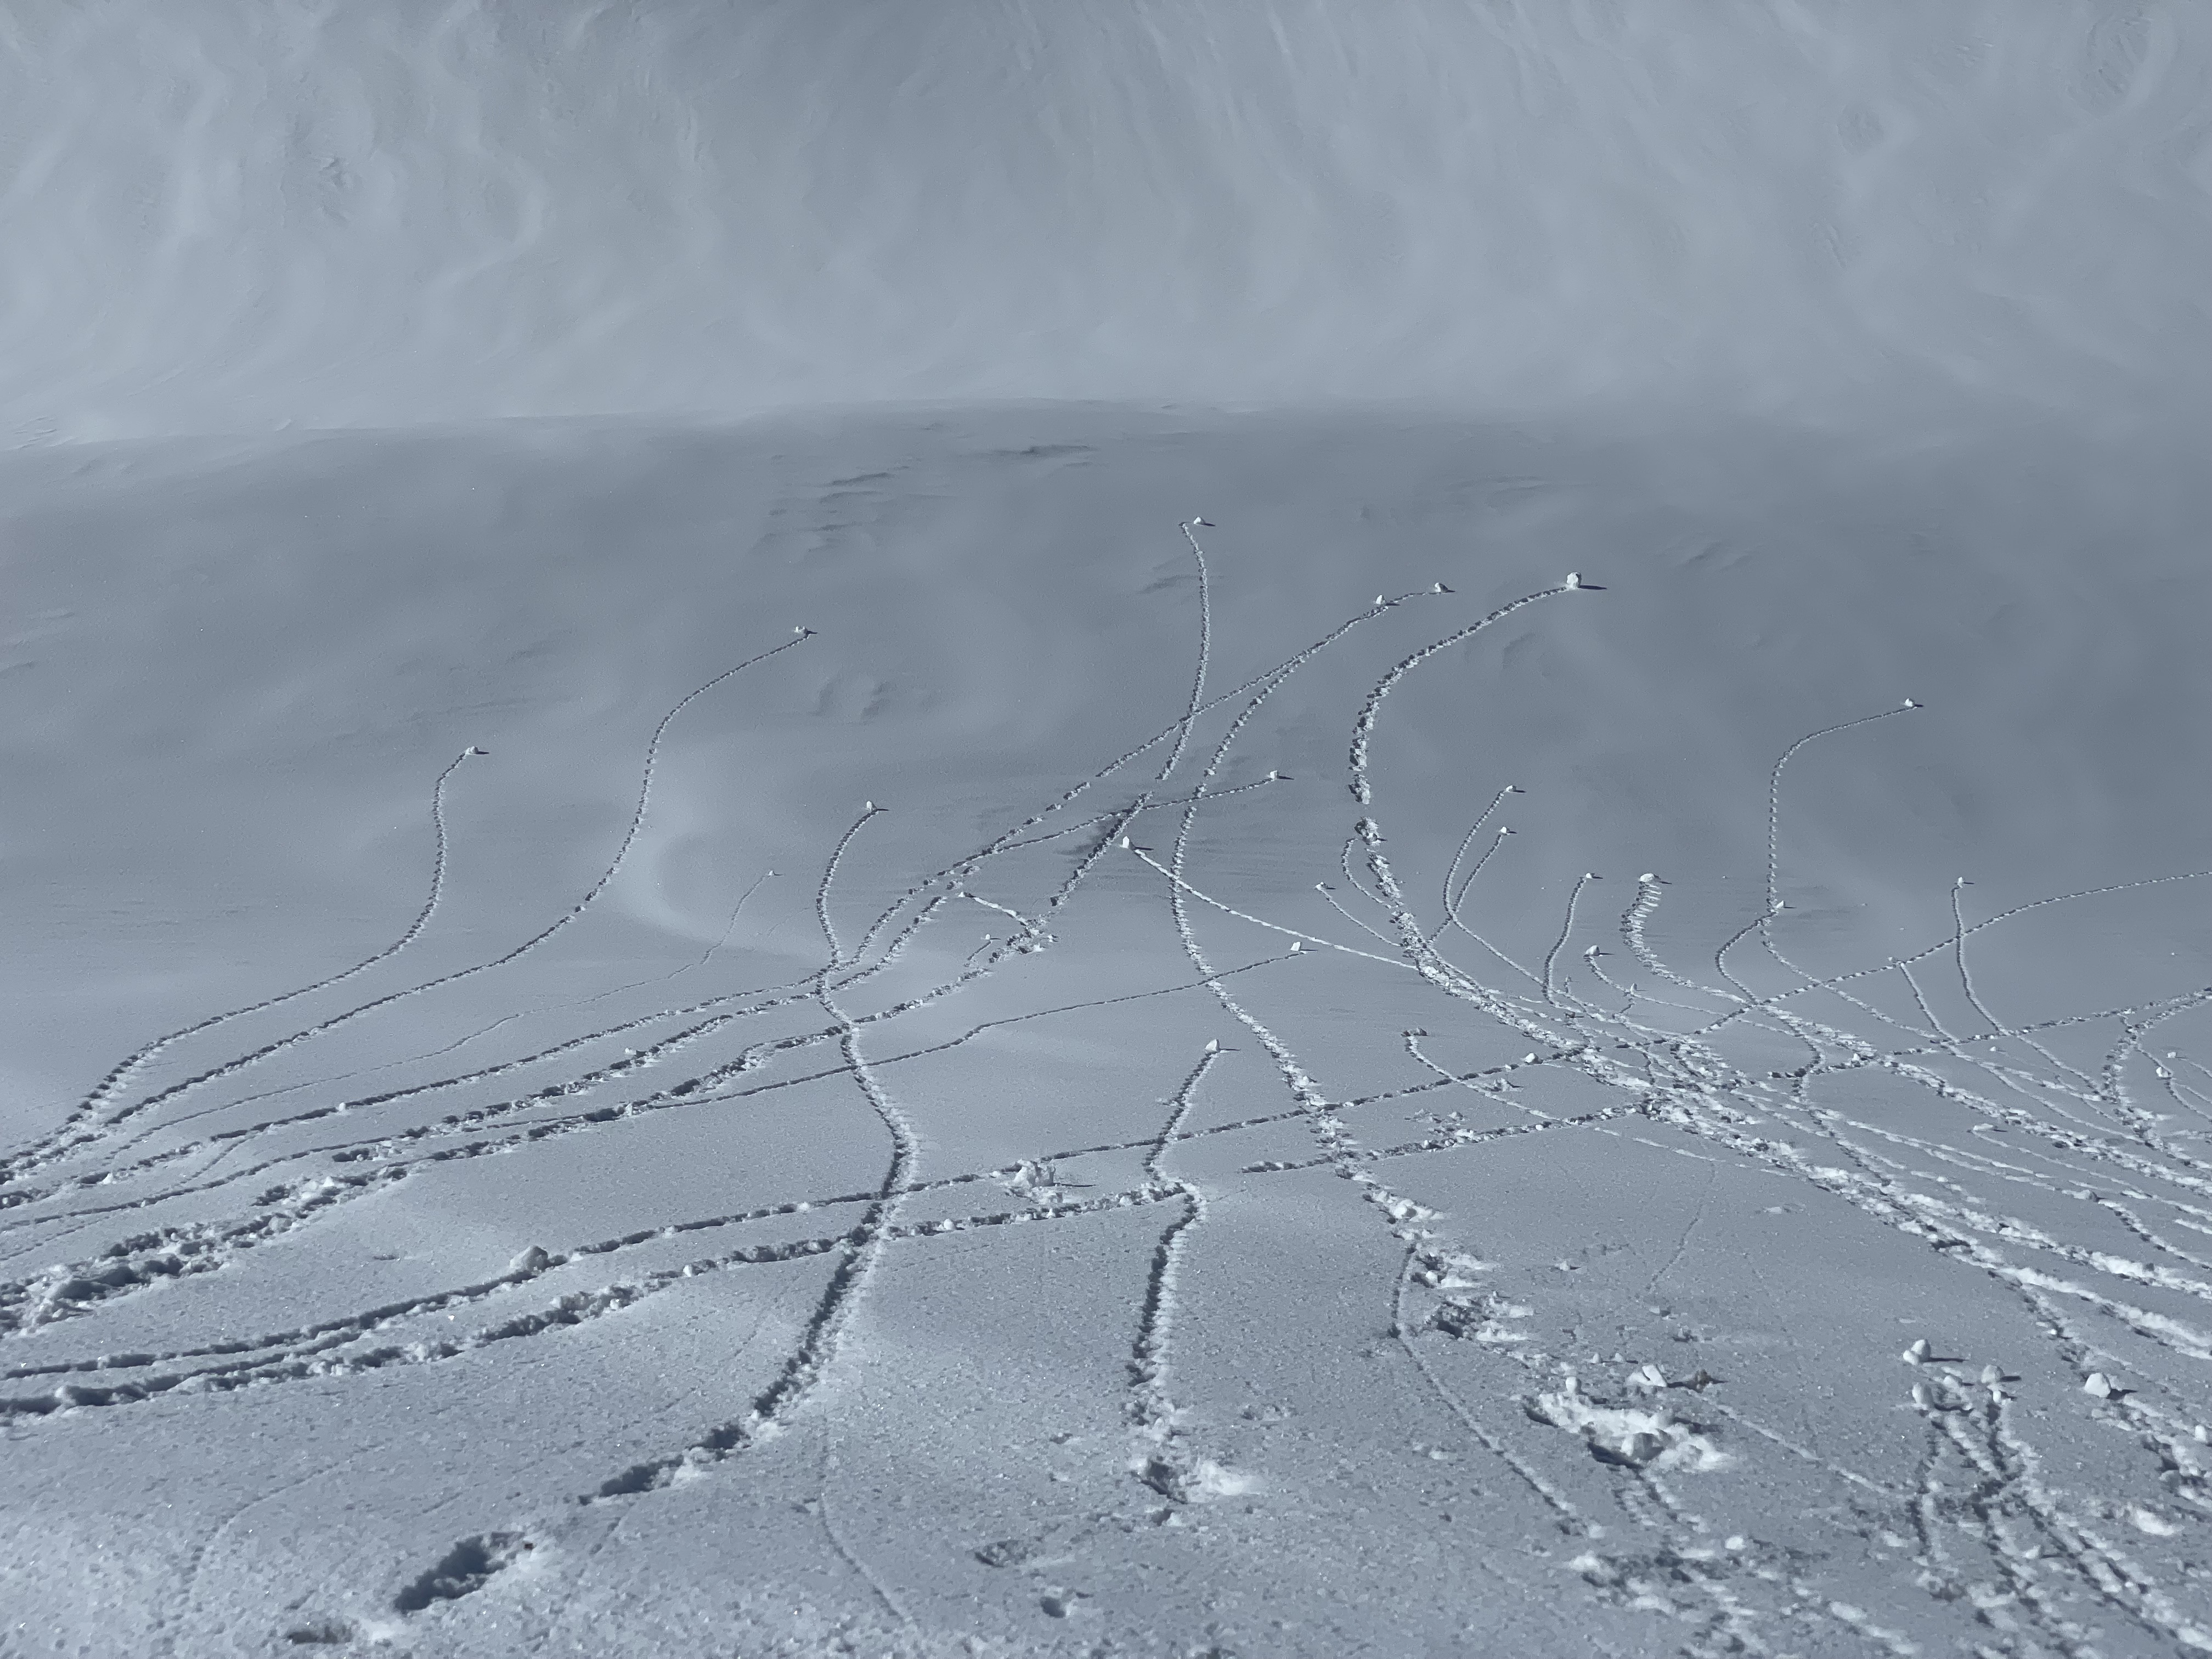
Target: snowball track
[1179,1160]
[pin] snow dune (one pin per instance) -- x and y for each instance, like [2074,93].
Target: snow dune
[1437,887]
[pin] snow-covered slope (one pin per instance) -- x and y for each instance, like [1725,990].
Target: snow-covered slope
[225,217]
[750,1162]
[1227,829]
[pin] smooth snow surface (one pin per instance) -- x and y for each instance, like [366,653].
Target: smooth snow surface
[1533,982]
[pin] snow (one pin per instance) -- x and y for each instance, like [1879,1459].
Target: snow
[761,1009]
[243,219]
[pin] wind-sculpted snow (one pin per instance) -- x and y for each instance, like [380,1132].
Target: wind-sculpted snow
[1515,1251]
[223,220]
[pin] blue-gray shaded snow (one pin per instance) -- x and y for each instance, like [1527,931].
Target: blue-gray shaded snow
[225,219]
[1060,828]
[1321,1225]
